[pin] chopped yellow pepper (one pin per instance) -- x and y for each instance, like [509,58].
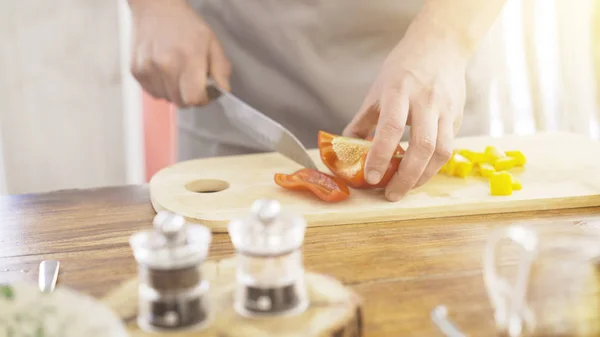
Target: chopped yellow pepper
[501,183]
[516,184]
[462,166]
[493,164]
[505,163]
[493,153]
[458,166]
[486,169]
[448,168]
[472,156]
[519,157]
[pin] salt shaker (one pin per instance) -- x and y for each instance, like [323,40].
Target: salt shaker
[172,294]
[269,265]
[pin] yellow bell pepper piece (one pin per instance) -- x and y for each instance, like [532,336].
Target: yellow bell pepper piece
[501,183]
[493,153]
[486,169]
[516,184]
[505,163]
[472,156]
[519,157]
[462,166]
[448,168]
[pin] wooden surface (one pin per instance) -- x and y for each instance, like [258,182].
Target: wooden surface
[400,269]
[334,309]
[561,173]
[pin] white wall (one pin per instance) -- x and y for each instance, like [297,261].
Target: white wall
[62,120]
[132,103]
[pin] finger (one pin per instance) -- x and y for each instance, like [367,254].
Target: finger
[421,147]
[192,82]
[143,71]
[457,123]
[168,72]
[443,151]
[389,131]
[167,66]
[152,85]
[363,124]
[219,66]
[170,84]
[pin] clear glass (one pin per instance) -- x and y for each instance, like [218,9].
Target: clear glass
[284,234]
[270,272]
[152,249]
[511,311]
[270,285]
[172,294]
[552,291]
[558,260]
[188,309]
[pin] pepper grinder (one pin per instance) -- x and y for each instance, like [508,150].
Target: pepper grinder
[269,267]
[172,294]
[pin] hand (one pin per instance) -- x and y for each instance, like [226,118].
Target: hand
[174,50]
[421,84]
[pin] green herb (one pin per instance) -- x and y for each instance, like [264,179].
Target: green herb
[7,292]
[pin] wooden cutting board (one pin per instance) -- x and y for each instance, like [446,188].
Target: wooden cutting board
[562,171]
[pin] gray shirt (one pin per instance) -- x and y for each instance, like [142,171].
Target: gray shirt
[308,64]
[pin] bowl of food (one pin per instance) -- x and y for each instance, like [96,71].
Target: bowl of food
[26,311]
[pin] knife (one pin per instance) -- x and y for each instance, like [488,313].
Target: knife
[271,135]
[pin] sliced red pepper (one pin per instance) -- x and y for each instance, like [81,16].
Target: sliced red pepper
[345,157]
[323,185]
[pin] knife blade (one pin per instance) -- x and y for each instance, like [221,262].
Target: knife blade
[271,135]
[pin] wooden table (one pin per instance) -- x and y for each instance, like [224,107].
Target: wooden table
[402,269]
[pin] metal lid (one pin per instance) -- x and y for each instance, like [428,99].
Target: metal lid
[267,231]
[171,244]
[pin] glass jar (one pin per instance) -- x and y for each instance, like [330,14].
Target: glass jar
[172,295]
[270,271]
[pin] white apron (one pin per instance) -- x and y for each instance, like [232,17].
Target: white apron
[308,64]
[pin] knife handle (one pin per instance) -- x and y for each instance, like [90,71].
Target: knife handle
[213,90]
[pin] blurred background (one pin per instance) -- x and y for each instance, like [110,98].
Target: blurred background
[72,116]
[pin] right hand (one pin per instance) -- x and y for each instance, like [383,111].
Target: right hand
[174,50]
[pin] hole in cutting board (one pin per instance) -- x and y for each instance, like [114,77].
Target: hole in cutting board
[207,186]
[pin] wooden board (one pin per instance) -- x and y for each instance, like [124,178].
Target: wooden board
[334,310]
[562,172]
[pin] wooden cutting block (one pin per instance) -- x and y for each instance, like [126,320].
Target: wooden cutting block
[562,171]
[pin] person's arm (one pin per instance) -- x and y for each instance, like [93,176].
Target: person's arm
[422,84]
[464,21]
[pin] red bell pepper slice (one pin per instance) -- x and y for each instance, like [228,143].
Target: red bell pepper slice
[345,157]
[326,187]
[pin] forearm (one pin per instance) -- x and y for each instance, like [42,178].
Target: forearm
[465,22]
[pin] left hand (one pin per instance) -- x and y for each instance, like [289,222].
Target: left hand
[421,84]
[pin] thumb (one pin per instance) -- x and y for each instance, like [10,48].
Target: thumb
[219,66]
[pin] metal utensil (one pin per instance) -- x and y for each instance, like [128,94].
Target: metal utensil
[267,132]
[439,315]
[48,275]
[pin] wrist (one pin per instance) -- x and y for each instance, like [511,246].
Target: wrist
[452,31]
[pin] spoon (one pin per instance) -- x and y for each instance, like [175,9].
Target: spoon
[48,275]
[439,315]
